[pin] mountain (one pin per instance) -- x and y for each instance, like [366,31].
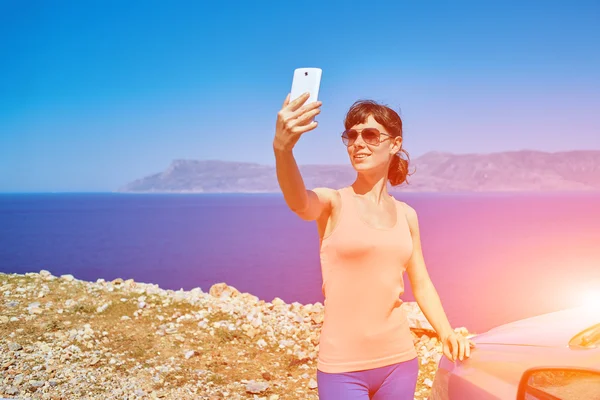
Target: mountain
[433,172]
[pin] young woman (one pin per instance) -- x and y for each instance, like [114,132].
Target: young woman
[367,240]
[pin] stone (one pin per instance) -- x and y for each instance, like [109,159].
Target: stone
[256,387]
[223,291]
[14,346]
[102,308]
[189,354]
[12,391]
[267,376]
[278,302]
[18,380]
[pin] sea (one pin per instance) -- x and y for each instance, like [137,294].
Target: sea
[493,257]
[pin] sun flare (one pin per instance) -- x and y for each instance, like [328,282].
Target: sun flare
[591,299]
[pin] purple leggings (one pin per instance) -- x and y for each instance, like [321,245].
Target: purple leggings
[396,381]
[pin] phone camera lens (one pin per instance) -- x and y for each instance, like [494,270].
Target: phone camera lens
[306,74]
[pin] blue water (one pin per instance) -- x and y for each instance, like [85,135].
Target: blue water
[493,258]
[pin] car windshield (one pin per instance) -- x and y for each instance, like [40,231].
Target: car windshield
[587,339]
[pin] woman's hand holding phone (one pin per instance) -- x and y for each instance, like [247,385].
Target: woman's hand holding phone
[293,120]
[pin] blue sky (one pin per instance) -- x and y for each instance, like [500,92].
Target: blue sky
[94,94]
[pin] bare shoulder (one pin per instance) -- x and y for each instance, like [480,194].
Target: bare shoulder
[324,191]
[409,210]
[411,216]
[330,200]
[327,196]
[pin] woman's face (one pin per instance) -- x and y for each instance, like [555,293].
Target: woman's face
[364,156]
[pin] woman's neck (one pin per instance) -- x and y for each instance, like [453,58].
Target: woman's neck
[373,189]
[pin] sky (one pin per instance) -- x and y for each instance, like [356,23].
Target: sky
[95,94]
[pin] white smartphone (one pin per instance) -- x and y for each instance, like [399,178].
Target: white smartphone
[306,80]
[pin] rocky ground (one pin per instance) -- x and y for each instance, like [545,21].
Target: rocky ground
[63,338]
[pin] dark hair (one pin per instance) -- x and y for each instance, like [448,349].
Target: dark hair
[359,113]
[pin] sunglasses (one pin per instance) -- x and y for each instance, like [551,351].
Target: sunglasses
[371,136]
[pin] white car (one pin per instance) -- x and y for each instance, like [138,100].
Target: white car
[548,357]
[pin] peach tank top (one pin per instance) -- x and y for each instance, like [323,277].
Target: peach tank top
[362,269]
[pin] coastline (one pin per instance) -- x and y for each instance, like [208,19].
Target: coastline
[63,338]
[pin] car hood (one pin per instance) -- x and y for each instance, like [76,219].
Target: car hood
[551,330]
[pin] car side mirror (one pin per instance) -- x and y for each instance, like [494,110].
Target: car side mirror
[562,383]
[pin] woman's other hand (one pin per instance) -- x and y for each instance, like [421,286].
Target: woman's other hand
[456,346]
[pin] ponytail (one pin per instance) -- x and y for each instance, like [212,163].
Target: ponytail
[398,170]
